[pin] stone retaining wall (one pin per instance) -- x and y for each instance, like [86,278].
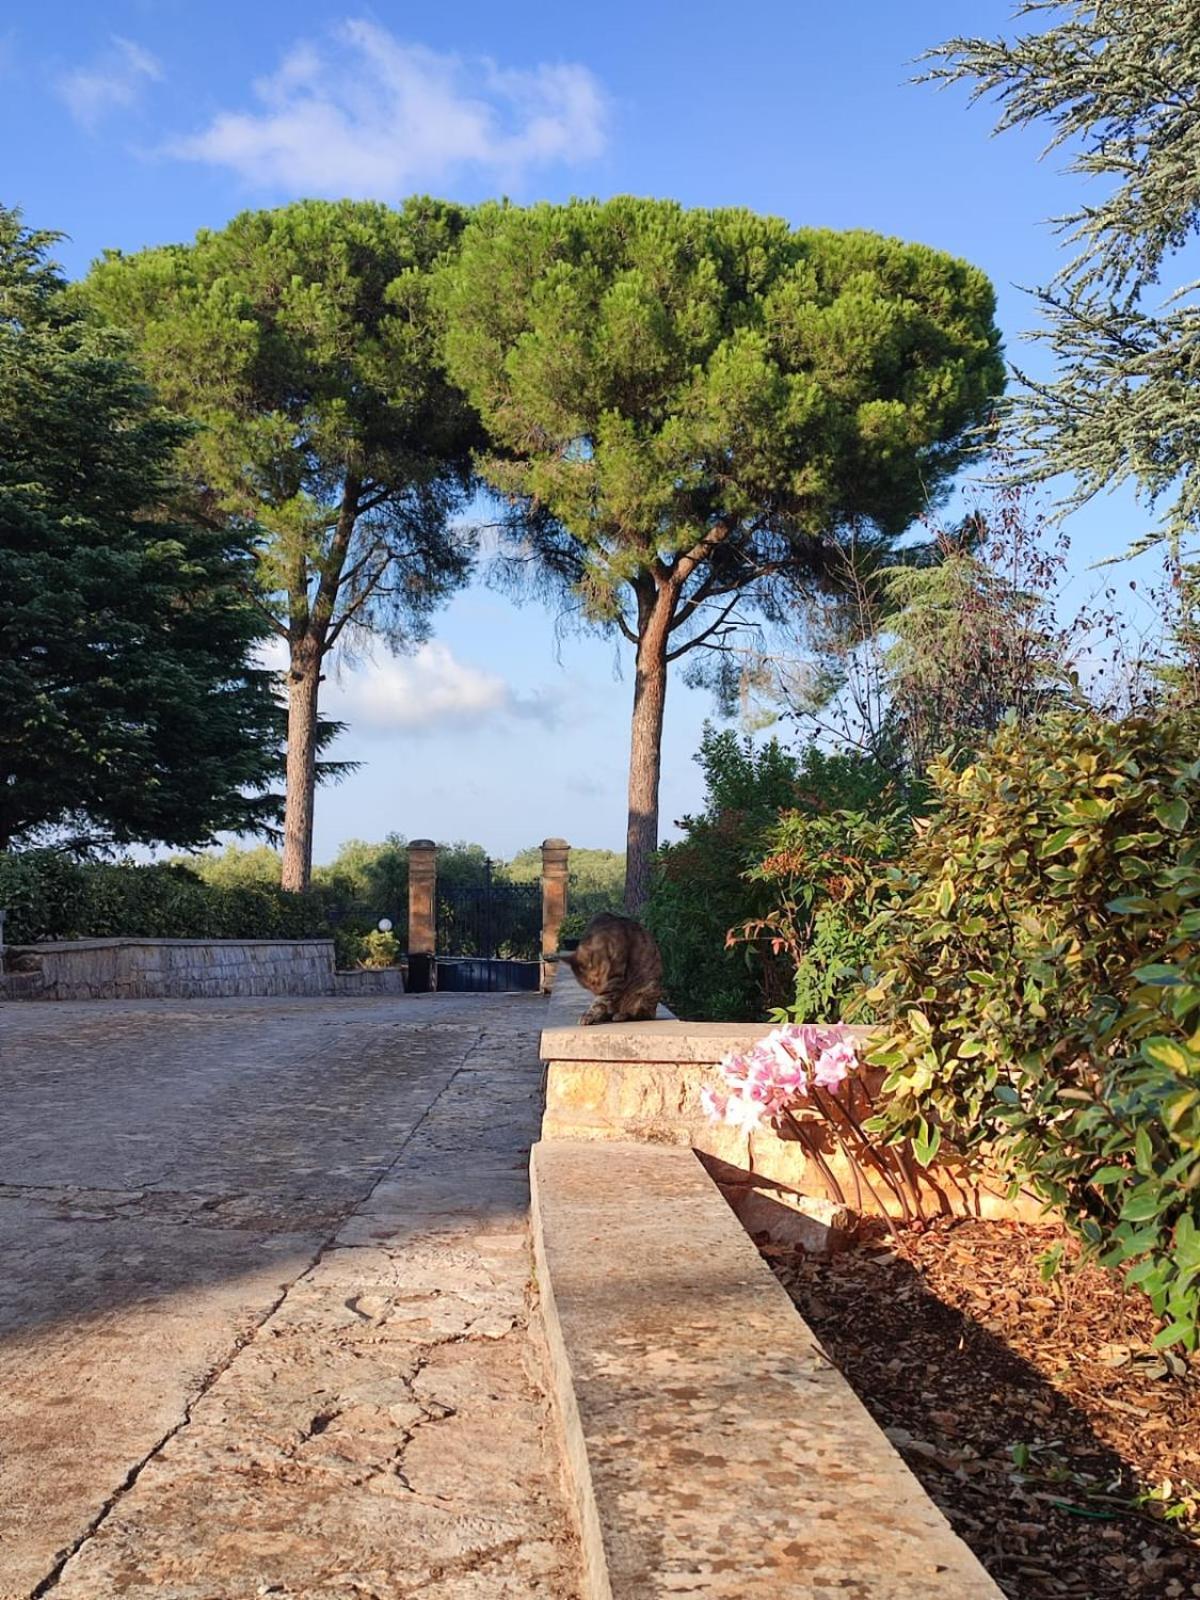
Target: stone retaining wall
[157,969]
[369,981]
[642,1081]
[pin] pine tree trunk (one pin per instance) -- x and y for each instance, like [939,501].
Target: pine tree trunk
[645,753]
[304,681]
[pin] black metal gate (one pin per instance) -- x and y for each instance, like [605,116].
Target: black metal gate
[489,932]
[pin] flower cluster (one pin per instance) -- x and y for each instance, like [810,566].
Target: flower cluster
[785,1067]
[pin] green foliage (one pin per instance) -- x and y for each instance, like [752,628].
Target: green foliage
[591,870]
[756,908]
[645,369]
[976,634]
[700,890]
[1040,985]
[819,865]
[364,881]
[301,341]
[47,895]
[688,406]
[380,949]
[129,708]
[1115,86]
[373,878]
[235,866]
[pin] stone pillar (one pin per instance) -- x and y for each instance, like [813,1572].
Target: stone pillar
[422,914]
[556,855]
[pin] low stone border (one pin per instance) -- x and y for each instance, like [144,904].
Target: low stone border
[712,1448]
[643,1080]
[369,981]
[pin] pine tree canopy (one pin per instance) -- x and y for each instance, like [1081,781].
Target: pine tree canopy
[694,412]
[299,340]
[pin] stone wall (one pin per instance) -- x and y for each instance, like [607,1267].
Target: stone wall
[642,1081]
[155,969]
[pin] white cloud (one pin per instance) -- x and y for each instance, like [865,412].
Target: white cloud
[369,114]
[114,82]
[425,692]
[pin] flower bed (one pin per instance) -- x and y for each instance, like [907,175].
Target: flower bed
[1060,1446]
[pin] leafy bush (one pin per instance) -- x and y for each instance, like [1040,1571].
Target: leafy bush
[733,901]
[380,949]
[48,895]
[348,948]
[700,890]
[1041,985]
[818,868]
[362,883]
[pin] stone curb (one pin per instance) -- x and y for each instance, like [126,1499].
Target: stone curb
[712,1449]
[578,1473]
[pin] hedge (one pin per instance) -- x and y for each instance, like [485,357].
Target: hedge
[49,895]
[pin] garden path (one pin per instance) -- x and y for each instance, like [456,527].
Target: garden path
[264,1287]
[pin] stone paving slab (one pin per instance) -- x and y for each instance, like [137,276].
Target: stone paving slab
[265,1301]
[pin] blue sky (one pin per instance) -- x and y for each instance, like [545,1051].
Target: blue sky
[134,122]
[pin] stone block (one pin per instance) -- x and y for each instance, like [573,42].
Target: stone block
[581,1087]
[712,1447]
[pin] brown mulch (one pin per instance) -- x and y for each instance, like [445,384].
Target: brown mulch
[1035,1414]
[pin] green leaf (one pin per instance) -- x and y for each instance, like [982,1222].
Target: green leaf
[1183,1333]
[1158,975]
[926,1142]
[1108,1176]
[1140,1207]
[1168,1053]
[1058,842]
[1173,814]
[1143,1152]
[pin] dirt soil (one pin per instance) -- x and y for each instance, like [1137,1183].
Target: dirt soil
[1062,1449]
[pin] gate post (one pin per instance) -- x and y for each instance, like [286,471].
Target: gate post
[556,854]
[422,914]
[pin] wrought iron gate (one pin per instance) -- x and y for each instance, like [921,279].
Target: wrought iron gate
[489,932]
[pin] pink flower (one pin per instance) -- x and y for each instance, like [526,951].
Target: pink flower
[744,1113]
[834,1064]
[734,1068]
[713,1104]
[778,1071]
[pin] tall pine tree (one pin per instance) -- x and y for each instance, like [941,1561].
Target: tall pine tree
[302,343]
[692,412]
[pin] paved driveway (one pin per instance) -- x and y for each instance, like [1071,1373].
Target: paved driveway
[263,1303]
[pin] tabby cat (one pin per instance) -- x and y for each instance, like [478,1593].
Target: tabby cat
[618,960]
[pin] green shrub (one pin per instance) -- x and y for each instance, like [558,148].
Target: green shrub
[380,949]
[1041,985]
[819,870]
[348,948]
[700,890]
[49,895]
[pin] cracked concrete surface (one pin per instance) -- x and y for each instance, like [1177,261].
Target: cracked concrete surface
[264,1321]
